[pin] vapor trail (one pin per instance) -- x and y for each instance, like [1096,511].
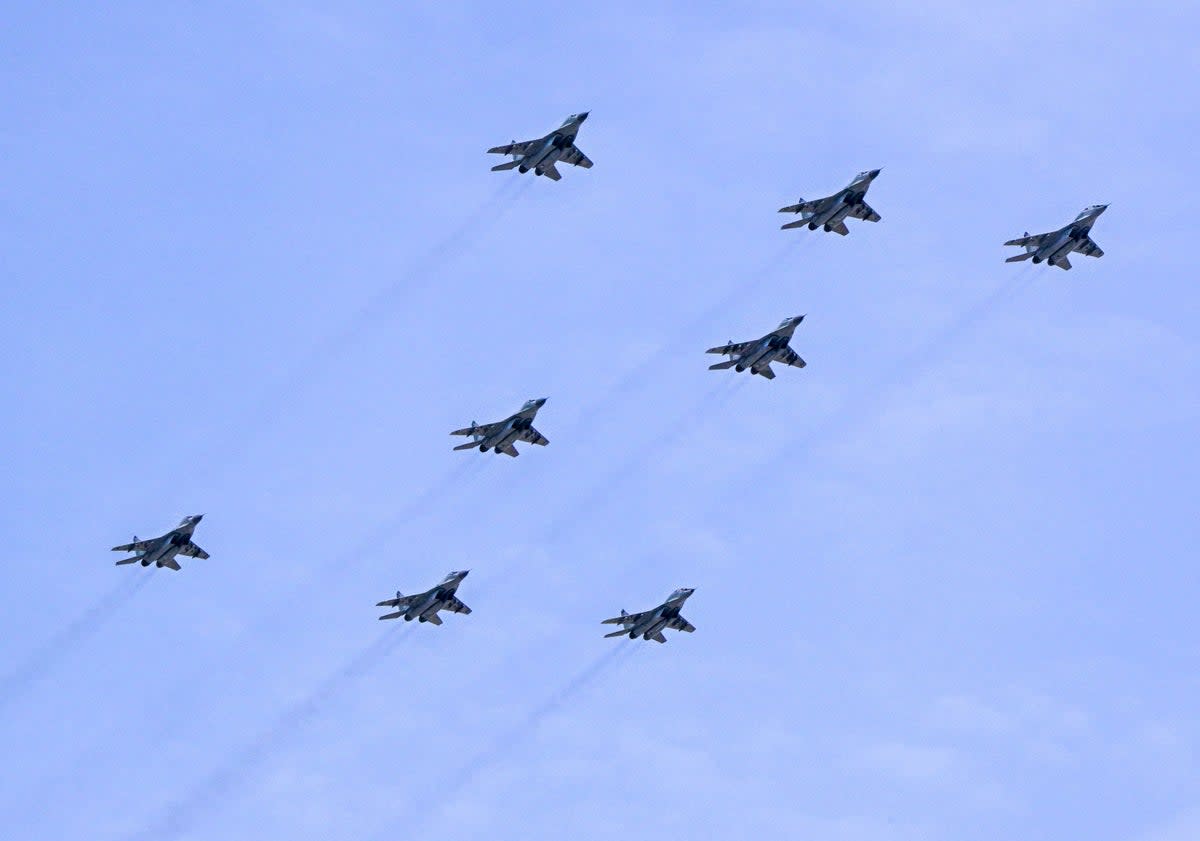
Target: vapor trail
[378,308]
[868,400]
[181,815]
[56,649]
[712,399]
[746,287]
[503,745]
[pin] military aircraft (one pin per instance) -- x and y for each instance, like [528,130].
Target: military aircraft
[542,154]
[649,624]
[425,606]
[1056,246]
[501,436]
[161,551]
[757,355]
[830,212]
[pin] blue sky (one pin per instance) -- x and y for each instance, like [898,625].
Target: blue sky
[256,267]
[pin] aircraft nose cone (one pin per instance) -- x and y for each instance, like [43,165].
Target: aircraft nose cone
[541,401]
[875,173]
[583,115]
[197,517]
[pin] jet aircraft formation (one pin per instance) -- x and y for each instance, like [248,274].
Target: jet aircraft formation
[756,356]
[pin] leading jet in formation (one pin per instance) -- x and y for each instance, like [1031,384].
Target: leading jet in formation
[1056,246]
[161,551]
[424,607]
[649,624]
[542,154]
[831,212]
[501,436]
[757,355]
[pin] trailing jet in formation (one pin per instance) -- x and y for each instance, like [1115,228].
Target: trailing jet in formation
[161,551]
[425,606]
[757,355]
[649,624]
[501,436]
[542,154]
[830,212]
[1056,246]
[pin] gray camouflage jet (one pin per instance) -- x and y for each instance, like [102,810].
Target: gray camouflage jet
[424,607]
[649,624]
[831,212]
[757,355]
[161,551]
[501,436]
[1056,246]
[542,154]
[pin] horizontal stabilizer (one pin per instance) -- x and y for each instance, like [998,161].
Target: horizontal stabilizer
[658,637]
[620,633]
[169,563]
[1019,257]
[765,371]
[395,615]
[508,165]
[467,446]
[128,561]
[798,224]
[721,366]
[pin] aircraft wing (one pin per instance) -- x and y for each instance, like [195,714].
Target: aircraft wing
[484,429]
[735,348]
[575,157]
[534,437]
[402,602]
[193,551]
[806,207]
[790,357]
[864,211]
[681,624]
[1029,239]
[137,546]
[514,148]
[1088,248]
[626,619]
[455,605]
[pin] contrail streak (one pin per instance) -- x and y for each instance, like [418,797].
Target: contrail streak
[181,815]
[505,743]
[374,311]
[44,659]
[867,401]
[746,286]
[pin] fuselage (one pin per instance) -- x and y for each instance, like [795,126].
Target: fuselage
[553,146]
[168,546]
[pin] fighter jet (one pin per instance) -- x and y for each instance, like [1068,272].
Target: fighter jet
[501,436]
[542,154]
[649,625]
[1056,246]
[830,212]
[425,606]
[161,551]
[757,355]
